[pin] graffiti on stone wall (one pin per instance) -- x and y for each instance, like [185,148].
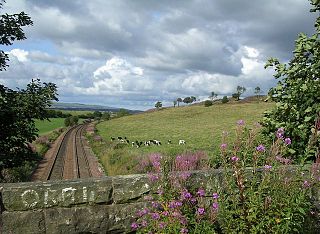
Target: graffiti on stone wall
[65,196]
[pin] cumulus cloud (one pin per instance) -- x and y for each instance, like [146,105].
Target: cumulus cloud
[21,55]
[133,53]
[117,77]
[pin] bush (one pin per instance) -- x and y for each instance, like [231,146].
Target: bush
[71,121]
[225,99]
[236,96]
[271,196]
[208,103]
[297,95]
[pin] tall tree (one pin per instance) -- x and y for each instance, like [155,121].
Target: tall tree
[187,100]
[19,108]
[18,111]
[174,103]
[158,105]
[10,31]
[179,100]
[213,95]
[240,91]
[257,91]
[297,98]
[193,99]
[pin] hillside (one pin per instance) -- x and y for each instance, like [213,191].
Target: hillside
[201,127]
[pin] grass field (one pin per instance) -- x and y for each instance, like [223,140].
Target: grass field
[76,112]
[201,127]
[45,126]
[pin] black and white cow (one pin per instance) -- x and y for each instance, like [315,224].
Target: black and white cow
[182,142]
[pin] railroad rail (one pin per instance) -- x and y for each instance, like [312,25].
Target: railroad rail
[69,159]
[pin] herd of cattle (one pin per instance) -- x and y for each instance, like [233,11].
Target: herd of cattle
[138,144]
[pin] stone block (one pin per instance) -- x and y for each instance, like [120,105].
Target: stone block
[29,196]
[130,188]
[114,218]
[23,222]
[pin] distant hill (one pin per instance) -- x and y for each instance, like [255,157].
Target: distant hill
[87,107]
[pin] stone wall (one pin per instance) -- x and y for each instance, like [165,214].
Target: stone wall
[105,205]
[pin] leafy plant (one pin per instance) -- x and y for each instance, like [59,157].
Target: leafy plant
[208,103]
[225,99]
[261,191]
[18,111]
[297,94]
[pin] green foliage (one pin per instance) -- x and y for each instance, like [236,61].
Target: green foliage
[18,111]
[122,112]
[213,95]
[71,121]
[10,31]
[225,99]
[106,116]
[208,103]
[56,114]
[257,90]
[97,114]
[297,95]
[236,96]
[158,105]
[187,100]
[240,91]
[177,205]
[174,103]
[271,197]
[179,100]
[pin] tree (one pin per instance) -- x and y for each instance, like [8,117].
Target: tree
[297,95]
[207,103]
[158,105]
[213,95]
[179,100]
[19,109]
[106,115]
[97,114]
[240,91]
[187,100]
[257,91]
[225,99]
[174,103]
[122,112]
[193,99]
[10,31]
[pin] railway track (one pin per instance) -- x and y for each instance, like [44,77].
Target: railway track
[69,159]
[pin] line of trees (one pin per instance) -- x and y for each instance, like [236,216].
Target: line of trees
[186,100]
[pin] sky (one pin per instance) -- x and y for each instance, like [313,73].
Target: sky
[132,54]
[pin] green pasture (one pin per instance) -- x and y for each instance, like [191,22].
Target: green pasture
[76,112]
[201,127]
[45,126]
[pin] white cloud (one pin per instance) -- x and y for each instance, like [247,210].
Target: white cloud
[21,55]
[117,77]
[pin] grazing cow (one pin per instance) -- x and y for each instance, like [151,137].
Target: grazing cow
[182,142]
[133,143]
[122,141]
[156,142]
[119,138]
[147,143]
[169,142]
[127,141]
[112,138]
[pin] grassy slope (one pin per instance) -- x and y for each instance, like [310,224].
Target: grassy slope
[200,126]
[45,126]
